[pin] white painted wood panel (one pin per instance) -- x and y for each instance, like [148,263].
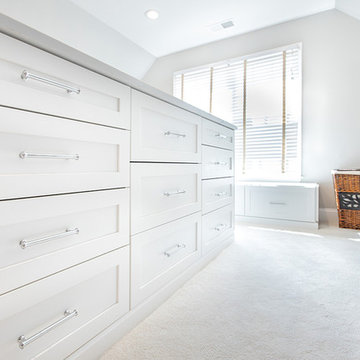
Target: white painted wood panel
[47,198]
[216,135]
[216,227]
[103,155]
[161,193]
[162,132]
[286,202]
[101,219]
[217,162]
[97,289]
[101,100]
[160,254]
[217,193]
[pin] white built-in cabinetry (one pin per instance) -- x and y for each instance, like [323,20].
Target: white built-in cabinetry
[109,197]
[278,203]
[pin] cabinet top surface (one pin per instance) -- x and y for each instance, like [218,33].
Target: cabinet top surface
[21,32]
[279,184]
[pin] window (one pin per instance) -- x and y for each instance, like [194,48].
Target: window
[261,95]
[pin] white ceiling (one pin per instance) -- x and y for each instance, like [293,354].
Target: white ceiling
[350,7]
[186,23]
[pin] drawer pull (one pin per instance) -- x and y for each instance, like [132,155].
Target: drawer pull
[276,203]
[27,243]
[221,136]
[220,227]
[26,155]
[170,133]
[220,194]
[174,250]
[27,75]
[177,192]
[23,341]
[220,163]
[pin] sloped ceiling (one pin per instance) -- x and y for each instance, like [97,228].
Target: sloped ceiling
[188,23]
[63,21]
[117,33]
[350,7]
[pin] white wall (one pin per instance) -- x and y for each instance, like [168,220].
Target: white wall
[331,86]
[67,23]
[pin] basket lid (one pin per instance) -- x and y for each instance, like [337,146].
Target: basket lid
[346,171]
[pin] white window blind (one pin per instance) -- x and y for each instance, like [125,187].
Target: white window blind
[261,95]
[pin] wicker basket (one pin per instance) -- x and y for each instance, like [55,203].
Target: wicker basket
[347,189]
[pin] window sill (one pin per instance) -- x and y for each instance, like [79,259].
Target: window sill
[290,179]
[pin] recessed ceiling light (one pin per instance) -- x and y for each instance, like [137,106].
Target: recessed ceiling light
[152,14]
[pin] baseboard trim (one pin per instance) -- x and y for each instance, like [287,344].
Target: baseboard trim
[96,347]
[328,217]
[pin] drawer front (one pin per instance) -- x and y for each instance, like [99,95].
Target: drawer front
[281,202]
[217,135]
[40,236]
[160,254]
[42,155]
[217,193]
[217,163]
[216,227]
[44,83]
[163,192]
[163,132]
[69,300]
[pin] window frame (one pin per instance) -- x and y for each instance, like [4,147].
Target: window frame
[291,177]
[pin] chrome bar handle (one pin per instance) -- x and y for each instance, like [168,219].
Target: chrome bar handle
[26,155]
[177,192]
[276,203]
[68,232]
[174,250]
[219,227]
[221,136]
[28,75]
[23,341]
[220,163]
[223,193]
[169,133]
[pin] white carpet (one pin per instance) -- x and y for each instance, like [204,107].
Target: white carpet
[272,295]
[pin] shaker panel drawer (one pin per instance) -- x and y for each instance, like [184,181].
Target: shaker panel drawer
[163,132]
[217,135]
[217,193]
[42,155]
[43,83]
[216,227]
[281,202]
[163,192]
[52,317]
[160,254]
[217,162]
[42,235]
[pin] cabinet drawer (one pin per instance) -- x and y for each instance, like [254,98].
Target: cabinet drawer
[80,302]
[42,155]
[217,163]
[281,202]
[217,135]
[100,100]
[163,192]
[163,132]
[217,193]
[216,227]
[160,254]
[40,236]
